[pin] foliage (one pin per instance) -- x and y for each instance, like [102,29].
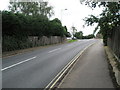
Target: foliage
[35,8]
[108,19]
[16,24]
[74,31]
[28,19]
[79,35]
[67,34]
[71,41]
[88,36]
[17,28]
[56,28]
[12,43]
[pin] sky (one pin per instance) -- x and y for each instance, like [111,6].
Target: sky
[73,16]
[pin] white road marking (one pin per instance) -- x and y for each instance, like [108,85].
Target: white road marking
[54,50]
[60,74]
[18,63]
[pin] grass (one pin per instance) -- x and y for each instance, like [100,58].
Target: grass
[71,41]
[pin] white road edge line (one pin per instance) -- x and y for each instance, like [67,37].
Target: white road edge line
[18,63]
[54,50]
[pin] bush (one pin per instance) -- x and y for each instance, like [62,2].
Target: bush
[17,28]
[10,43]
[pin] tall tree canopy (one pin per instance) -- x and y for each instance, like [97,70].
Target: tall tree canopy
[108,19]
[32,8]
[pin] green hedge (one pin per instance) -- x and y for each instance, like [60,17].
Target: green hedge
[16,27]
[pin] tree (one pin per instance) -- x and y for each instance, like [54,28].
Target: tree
[10,24]
[32,8]
[56,28]
[108,20]
[19,25]
[88,36]
[16,28]
[79,35]
[67,34]
[74,31]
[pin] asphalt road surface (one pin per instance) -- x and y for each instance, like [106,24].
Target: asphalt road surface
[37,68]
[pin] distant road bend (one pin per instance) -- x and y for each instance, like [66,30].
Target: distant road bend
[37,68]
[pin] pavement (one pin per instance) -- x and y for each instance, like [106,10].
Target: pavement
[36,69]
[90,71]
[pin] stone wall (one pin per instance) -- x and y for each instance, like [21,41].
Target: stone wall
[114,42]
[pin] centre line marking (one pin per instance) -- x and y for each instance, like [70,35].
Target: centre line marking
[54,50]
[18,63]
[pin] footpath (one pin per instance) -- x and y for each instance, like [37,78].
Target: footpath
[90,71]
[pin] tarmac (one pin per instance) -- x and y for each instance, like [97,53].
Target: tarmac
[90,71]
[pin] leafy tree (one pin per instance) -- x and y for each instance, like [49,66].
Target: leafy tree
[17,28]
[108,20]
[74,31]
[67,34]
[19,25]
[79,35]
[56,28]
[28,19]
[10,23]
[88,36]
[32,8]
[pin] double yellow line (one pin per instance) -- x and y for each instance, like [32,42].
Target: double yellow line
[61,74]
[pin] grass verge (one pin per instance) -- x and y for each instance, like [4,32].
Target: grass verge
[71,41]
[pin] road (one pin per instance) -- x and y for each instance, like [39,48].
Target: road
[37,68]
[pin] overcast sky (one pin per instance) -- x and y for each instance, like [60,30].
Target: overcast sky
[74,14]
